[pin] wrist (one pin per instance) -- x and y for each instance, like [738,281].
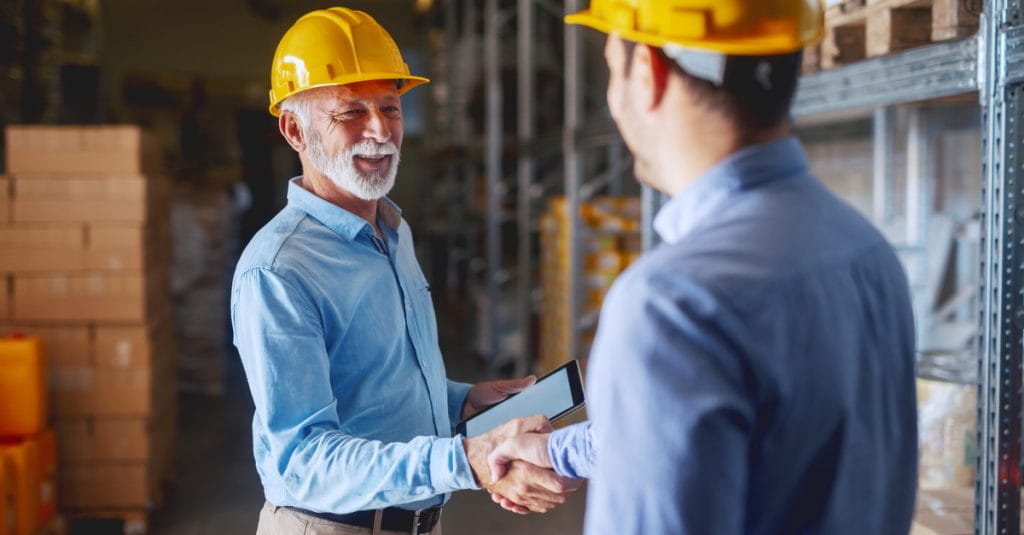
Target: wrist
[476,454]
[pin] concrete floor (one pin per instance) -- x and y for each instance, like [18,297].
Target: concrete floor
[217,491]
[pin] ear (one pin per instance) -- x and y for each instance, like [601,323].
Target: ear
[651,75]
[292,132]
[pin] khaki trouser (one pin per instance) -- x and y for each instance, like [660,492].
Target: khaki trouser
[276,520]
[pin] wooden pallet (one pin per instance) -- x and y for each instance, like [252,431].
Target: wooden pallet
[861,29]
[57,526]
[134,521]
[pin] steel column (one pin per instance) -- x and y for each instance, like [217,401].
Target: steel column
[573,170]
[494,140]
[527,131]
[1002,307]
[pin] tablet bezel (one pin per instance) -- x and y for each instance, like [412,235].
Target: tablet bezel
[575,388]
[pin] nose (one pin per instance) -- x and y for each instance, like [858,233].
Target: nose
[377,127]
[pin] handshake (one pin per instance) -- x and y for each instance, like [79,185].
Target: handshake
[511,461]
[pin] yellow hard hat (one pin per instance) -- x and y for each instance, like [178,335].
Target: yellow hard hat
[335,46]
[732,27]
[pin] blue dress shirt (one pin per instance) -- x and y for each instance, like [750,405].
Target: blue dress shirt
[754,374]
[337,334]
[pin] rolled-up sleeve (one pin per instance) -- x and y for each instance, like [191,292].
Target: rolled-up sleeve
[280,340]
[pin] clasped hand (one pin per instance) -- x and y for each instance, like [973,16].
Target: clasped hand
[512,463]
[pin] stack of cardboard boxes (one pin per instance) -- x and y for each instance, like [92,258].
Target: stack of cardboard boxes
[28,450]
[610,236]
[84,249]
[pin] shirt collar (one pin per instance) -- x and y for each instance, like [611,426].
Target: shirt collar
[336,218]
[748,168]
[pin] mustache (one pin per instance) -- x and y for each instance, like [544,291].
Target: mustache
[372,149]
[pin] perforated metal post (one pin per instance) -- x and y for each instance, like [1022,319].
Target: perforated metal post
[998,494]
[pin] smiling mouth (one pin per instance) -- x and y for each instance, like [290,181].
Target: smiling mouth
[374,159]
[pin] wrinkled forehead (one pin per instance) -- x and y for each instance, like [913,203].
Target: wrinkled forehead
[373,92]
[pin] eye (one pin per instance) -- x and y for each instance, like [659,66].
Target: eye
[348,115]
[391,110]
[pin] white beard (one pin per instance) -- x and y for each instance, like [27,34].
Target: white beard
[342,170]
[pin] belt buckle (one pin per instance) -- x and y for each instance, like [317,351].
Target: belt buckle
[416,522]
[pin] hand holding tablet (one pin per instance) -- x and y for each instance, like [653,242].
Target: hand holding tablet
[556,395]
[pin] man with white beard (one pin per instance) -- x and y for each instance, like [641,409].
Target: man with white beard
[333,320]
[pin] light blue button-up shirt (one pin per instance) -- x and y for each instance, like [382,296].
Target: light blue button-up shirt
[336,330]
[754,374]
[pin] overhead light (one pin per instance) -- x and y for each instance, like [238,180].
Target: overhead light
[424,5]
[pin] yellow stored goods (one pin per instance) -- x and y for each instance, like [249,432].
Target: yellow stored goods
[24,457]
[22,387]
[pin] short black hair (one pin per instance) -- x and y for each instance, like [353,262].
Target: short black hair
[742,97]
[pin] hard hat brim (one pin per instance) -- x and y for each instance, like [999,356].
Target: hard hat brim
[733,47]
[411,83]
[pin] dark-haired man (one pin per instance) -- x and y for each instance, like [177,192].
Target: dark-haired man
[754,374]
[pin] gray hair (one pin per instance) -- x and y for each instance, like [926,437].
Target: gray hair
[301,106]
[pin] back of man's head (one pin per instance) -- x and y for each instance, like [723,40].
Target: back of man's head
[755,93]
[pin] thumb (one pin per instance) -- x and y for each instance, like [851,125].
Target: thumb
[498,460]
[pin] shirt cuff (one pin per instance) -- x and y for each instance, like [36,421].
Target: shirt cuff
[457,393]
[449,466]
[571,451]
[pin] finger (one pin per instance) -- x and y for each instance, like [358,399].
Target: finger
[514,507]
[511,386]
[509,506]
[537,423]
[546,480]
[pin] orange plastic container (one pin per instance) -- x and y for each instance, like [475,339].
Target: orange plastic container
[24,456]
[22,387]
[7,492]
[47,509]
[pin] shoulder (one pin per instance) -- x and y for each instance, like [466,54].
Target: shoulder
[279,247]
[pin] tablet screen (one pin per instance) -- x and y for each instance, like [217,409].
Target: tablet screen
[550,396]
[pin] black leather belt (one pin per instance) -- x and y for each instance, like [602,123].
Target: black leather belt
[393,519]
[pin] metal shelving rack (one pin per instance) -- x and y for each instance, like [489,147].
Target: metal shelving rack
[991,64]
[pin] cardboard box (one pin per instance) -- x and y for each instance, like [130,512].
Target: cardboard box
[62,345]
[5,199]
[5,297]
[132,347]
[944,512]
[30,248]
[108,485]
[125,199]
[63,247]
[99,439]
[122,247]
[88,297]
[94,391]
[81,149]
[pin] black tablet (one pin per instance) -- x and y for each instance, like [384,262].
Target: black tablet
[556,395]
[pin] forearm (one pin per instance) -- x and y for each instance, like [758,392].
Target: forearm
[330,471]
[572,451]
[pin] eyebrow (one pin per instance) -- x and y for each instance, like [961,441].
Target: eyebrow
[333,107]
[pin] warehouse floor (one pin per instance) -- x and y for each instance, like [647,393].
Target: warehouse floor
[218,492]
